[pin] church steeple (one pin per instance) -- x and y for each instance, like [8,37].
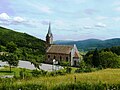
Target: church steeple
[49,36]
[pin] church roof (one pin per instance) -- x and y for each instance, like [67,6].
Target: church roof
[60,49]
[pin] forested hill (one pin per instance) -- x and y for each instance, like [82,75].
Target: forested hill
[92,43]
[24,42]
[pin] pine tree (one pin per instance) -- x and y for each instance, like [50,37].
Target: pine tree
[95,58]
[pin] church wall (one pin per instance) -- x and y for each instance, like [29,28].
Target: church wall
[58,57]
[72,54]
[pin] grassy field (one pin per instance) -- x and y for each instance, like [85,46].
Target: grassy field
[108,76]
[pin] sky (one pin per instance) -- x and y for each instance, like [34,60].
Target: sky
[70,19]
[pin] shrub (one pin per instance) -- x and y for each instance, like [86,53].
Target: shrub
[60,72]
[68,69]
[36,73]
[64,63]
[24,74]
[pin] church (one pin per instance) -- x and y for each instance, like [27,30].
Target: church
[68,53]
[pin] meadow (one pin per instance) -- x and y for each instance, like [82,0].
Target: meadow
[108,76]
[106,79]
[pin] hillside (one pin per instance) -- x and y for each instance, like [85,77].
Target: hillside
[27,43]
[92,43]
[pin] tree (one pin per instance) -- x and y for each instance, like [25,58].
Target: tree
[88,57]
[95,58]
[12,60]
[109,60]
[24,55]
[82,65]
[11,47]
[2,48]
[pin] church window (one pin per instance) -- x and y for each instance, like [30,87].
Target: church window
[60,58]
[48,56]
[67,59]
[54,57]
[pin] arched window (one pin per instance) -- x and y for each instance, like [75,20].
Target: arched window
[48,56]
[54,57]
[67,59]
[60,58]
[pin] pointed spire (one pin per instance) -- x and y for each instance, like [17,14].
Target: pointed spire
[49,29]
[49,36]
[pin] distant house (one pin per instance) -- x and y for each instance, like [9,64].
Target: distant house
[60,53]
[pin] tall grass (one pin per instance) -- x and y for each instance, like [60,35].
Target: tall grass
[100,80]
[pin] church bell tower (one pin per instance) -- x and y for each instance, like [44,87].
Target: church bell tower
[49,36]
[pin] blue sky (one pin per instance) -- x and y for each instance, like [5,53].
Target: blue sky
[70,19]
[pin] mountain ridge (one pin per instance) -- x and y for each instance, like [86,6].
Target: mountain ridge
[89,44]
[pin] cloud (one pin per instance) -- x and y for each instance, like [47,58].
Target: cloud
[73,1]
[87,27]
[45,9]
[102,25]
[116,18]
[101,17]
[18,19]
[117,9]
[90,11]
[116,3]
[4,16]
[5,19]
[59,23]
[79,1]
[45,22]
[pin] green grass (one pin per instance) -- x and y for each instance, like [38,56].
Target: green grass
[15,71]
[108,76]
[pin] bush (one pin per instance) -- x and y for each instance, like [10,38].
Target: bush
[100,67]
[37,73]
[64,63]
[24,74]
[60,72]
[68,69]
[84,68]
[79,70]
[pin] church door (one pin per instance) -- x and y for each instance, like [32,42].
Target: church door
[75,63]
